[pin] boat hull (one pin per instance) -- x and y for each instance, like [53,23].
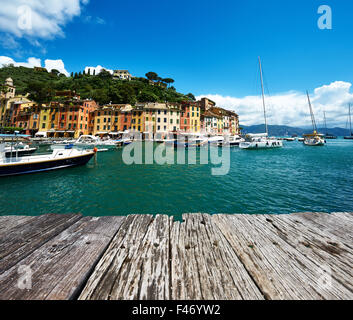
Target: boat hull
[260,145]
[10,169]
[314,144]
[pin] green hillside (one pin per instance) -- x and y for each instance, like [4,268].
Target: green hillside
[102,87]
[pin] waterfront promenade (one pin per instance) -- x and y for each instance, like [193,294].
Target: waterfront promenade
[297,256]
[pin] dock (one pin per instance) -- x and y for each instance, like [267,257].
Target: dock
[305,256]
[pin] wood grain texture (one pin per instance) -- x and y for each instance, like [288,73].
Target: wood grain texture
[298,256]
[329,252]
[23,239]
[204,266]
[278,268]
[118,273]
[61,266]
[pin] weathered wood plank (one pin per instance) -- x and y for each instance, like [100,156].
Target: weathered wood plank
[115,266]
[60,266]
[330,224]
[279,269]
[9,222]
[147,273]
[327,251]
[216,273]
[25,238]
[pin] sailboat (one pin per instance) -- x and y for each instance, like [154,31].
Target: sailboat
[261,140]
[350,125]
[327,135]
[314,139]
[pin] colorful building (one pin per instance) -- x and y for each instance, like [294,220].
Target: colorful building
[138,119]
[105,120]
[125,117]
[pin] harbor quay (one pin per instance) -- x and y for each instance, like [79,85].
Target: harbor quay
[202,257]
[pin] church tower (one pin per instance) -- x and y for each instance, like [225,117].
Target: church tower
[11,89]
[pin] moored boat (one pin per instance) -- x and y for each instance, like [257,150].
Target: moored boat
[261,140]
[58,159]
[314,139]
[232,141]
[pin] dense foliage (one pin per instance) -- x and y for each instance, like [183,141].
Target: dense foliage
[103,88]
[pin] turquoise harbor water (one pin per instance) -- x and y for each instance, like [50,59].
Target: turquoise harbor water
[293,179]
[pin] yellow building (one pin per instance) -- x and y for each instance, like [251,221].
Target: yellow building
[138,119]
[106,120]
[195,118]
[44,121]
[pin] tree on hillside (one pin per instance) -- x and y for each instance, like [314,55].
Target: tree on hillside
[72,75]
[191,96]
[40,92]
[55,72]
[104,74]
[147,96]
[152,76]
[169,81]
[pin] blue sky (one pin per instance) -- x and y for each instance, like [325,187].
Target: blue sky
[208,47]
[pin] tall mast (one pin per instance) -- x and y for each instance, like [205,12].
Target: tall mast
[263,95]
[311,113]
[325,122]
[350,119]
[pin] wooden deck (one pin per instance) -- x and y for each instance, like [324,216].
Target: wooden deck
[298,256]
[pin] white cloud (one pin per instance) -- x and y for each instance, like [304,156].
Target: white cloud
[56,64]
[97,69]
[38,18]
[291,108]
[34,62]
[31,62]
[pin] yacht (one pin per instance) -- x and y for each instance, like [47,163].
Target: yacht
[58,159]
[190,140]
[218,140]
[19,150]
[314,139]
[86,142]
[261,140]
[232,141]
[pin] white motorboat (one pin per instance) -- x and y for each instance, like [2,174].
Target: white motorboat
[261,140]
[86,142]
[216,140]
[58,159]
[232,141]
[190,140]
[19,150]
